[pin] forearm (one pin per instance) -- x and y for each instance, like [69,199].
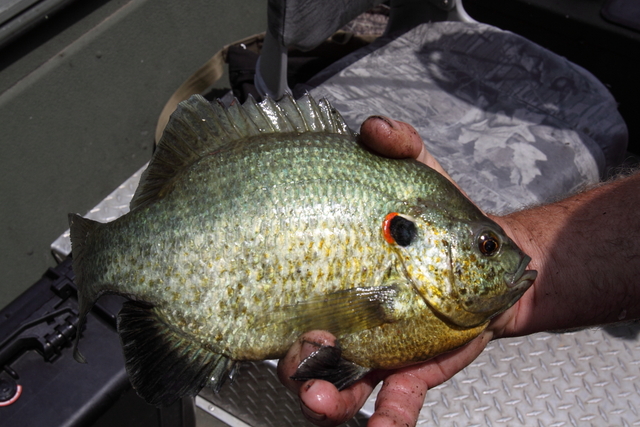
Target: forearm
[586,250]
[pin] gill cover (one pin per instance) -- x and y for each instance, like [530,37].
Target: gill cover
[467,271]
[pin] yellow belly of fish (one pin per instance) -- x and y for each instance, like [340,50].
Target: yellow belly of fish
[405,342]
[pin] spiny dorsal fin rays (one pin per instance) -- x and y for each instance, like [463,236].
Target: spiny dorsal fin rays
[242,123]
[258,115]
[280,122]
[311,111]
[326,116]
[199,128]
[290,108]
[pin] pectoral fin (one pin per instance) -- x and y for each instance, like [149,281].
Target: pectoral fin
[342,312]
[327,364]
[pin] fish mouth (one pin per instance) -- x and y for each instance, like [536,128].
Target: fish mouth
[522,278]
[517,284]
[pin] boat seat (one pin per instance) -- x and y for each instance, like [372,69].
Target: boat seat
[513,123]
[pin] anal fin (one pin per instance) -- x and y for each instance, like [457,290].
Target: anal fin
[327,364]
[164,366]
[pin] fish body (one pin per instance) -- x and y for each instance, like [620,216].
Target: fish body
[257,223]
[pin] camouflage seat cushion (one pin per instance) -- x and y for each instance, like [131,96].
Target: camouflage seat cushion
[513,123]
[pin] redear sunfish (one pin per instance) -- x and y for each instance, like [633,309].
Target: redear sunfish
[253,224]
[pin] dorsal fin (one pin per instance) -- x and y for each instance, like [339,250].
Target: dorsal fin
[198,128]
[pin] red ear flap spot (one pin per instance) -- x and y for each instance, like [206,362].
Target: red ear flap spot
[399,229]
[386,228]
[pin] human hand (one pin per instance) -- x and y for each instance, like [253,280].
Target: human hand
[403,390]
[397,140]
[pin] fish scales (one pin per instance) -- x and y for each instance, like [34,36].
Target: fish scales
[252,239]
[234,245]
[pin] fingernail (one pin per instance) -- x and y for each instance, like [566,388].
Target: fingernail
[385,119]
[312,415]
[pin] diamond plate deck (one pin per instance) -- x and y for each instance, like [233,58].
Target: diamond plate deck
[585,378]
[582,378]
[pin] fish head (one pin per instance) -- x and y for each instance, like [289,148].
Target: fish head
[466,270]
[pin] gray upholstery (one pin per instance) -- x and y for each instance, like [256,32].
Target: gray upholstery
[513,123]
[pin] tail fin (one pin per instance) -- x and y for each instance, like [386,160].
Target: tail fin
[81,228]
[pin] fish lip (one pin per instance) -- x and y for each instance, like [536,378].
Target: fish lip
[522,278]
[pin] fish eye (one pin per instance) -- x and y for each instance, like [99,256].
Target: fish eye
[398,229]
[488,243]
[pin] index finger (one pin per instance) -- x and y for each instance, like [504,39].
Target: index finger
[397,140]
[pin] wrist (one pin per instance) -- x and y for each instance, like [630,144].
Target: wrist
[585,250]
